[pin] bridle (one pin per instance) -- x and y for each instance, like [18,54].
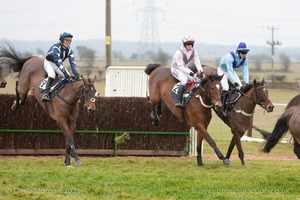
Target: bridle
[82,98]
[258,96]
[208,95]
[81,95]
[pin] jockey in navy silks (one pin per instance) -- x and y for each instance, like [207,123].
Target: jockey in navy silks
[55,57]
[182,59]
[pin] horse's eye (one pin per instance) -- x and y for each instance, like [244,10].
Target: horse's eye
[93,100]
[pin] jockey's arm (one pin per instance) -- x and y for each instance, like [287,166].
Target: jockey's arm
[197,63]
[73,64]
[245,72]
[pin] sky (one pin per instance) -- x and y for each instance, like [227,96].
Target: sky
[209,21]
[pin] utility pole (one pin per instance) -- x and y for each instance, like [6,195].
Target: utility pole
[108,33]
[273,43]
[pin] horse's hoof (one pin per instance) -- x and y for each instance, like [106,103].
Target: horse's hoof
[152,116]
[200,164]
[78,162]
[69,166]
[155,123]
[226,161]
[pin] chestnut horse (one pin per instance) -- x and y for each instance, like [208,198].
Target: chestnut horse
[196,113]
[2,79]
[64,107]
[289,121]
[239,117]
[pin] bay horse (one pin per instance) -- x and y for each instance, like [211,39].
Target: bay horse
[196,113]
[239,117]
[288,121]
[2,79]
[64,107]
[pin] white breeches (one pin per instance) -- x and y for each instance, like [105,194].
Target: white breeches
[179,75]
[52,69]
[225,79]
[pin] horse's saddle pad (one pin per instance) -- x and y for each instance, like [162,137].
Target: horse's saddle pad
[55,89]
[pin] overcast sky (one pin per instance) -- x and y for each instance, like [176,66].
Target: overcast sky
[209,21]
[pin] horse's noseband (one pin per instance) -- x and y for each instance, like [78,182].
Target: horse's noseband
[260,96]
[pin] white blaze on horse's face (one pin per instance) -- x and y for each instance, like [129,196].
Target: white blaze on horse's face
[218,86]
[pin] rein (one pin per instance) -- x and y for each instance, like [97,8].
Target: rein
[79,96]
[252,101]
[201,99]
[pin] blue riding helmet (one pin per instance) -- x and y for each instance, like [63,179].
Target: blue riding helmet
[64,35]
[242,47]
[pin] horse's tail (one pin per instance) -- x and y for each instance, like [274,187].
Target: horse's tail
[151,67]
[263,132]
[11,56]
[281,127]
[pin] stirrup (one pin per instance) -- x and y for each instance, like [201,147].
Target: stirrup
[45,97]
[178,104]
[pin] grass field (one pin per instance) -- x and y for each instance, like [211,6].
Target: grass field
[147,178]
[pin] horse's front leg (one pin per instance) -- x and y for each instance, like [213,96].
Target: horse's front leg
[212,143]
[70,146]
[237,139]
[199,150]
[72,126]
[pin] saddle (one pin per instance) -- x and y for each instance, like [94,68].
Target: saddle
[189,90]
[233,96]
[56,86]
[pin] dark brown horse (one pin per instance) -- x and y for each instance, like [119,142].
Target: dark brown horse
[289,121]
[2,79]
[239,117]
[64,107]
[197,112]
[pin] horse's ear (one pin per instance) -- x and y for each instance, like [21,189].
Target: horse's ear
[221,77]
[83,79]
[94,79]
[254,82]
[263,81]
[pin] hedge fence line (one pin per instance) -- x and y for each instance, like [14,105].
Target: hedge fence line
[113,114]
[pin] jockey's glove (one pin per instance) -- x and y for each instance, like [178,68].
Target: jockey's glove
[202,75]
[196,79]
[237,86]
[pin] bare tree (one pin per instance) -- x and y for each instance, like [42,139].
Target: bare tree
[286,62]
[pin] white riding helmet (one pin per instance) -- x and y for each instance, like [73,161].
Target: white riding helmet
[188,39]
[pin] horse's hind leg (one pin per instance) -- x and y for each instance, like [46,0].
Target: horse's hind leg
[20,98]
[297,148]
[156,113]
[154,116]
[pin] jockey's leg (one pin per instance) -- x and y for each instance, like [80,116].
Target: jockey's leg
[179,96]
[47,90]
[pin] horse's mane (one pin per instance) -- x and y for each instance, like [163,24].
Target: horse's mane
[214,77]
[11,56]
[246,88]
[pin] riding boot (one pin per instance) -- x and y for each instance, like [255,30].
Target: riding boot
[224,96]
[47,90]
[179,96]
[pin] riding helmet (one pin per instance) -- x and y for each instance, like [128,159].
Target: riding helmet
[188,39]
[242,47]
[64,35]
